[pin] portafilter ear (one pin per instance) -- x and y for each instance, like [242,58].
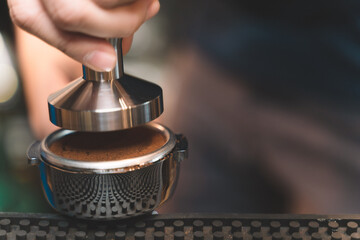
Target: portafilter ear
[106,101]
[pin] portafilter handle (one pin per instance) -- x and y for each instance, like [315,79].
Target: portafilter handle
[116,73]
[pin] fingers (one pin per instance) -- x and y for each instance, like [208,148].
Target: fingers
[93,52]
[112,3]
[86,17]
[153,9]
[78,28]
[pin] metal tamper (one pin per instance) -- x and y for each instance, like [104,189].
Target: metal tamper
[105,101]
[112,180]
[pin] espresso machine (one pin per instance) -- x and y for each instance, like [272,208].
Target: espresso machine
[102,103]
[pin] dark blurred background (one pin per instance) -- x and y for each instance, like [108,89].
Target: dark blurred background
[267,93]
[19,185]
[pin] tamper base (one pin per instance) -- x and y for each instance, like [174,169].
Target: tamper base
[95,106]
[106,101]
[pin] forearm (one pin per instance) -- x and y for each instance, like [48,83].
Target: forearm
[44,70]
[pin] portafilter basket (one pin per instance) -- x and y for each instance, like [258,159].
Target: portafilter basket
[108,190]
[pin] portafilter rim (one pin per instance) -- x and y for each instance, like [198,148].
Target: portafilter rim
[112,166]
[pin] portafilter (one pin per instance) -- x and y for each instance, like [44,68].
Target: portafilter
[98,105]
[106,190]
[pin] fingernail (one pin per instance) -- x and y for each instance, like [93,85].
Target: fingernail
[100,61]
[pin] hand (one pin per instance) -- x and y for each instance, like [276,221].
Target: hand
[79,27]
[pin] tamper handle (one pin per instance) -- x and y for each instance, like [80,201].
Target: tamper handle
[116,73]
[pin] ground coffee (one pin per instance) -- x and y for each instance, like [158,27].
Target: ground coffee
[105,146]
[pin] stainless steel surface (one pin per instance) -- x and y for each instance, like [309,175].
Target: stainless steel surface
[105,101]
[114,166]
[109,195]
[116,73]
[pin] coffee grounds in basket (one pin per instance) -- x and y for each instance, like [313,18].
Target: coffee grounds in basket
[105,146]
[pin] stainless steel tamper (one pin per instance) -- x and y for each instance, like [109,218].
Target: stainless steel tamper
[105,101]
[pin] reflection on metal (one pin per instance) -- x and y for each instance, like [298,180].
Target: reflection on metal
[115,192]
[108,196]
[116,73]
[106,101]
[113,166]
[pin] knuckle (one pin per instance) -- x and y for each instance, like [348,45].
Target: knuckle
[106,3]
[133,25]
[63,44]
[21,16]
[66,16]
